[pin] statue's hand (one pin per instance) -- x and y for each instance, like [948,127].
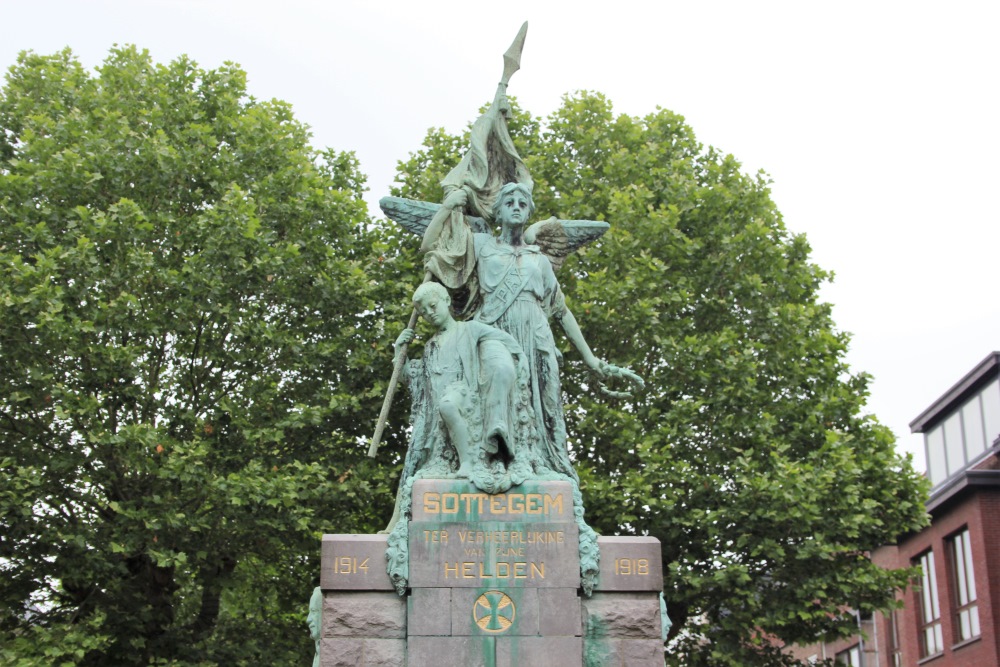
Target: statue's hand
[504,106]
[608,371]
[596,365]
[456,199]
[403,339]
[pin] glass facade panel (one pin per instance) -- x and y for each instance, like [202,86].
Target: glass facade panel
[972,424]
[937,469]
[966,608]
[991,411]
[931,636]
[954,443]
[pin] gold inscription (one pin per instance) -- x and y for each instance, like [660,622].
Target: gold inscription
[516,504]
[348,565]
[507,536]
[632,567]
[432,503]
[500,570]
[509,551]
[504,503]
[436,536]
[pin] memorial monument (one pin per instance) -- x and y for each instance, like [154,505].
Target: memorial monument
[488,559]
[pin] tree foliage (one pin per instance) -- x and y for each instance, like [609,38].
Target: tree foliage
[196,338]
[190,294]
[749,455]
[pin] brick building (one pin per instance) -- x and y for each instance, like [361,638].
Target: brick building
[952,617]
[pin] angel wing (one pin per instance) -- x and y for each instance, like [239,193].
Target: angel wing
[558,238]
[414,216]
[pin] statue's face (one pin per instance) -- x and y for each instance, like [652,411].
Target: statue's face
[514,209]
[433,309]
[313,620]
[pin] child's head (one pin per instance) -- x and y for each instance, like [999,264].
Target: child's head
[432,302]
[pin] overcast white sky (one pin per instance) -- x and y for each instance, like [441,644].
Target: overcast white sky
[877,121]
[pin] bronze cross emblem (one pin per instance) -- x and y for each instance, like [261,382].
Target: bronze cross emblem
[493,611]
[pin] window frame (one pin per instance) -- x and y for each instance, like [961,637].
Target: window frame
[849,657]
[929,604]
[962,575]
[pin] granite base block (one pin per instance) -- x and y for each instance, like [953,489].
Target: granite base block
[607,652]
[354,652]
[540,651]
[341,652]
[641,652]
[446,651]
[364,614]
[559,612]
[622,615]
[384,653]
[472,609]
[428,612]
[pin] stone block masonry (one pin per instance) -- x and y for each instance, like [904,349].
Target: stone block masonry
[494,580]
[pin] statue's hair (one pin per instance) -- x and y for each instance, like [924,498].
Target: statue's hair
[431,289]
[511,188]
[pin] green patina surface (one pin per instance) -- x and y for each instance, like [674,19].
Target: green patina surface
[315,621]
[486,403]
[489,651]
[597,649]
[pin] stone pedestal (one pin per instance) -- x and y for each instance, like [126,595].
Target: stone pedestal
[508,567]
[494,580]
[364,620]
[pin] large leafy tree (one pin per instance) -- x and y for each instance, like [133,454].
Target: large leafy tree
[748,455]
[189,297]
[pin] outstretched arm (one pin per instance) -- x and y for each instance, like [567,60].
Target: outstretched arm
[572,329]
[603,369]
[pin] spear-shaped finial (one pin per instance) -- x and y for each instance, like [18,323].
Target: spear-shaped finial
[512,58]
[511,63]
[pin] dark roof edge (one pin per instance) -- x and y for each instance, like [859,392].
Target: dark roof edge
[971,379]
[971,479]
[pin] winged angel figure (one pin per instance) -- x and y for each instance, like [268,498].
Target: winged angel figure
[508,281]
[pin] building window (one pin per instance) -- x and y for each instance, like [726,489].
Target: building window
[937,467]
[966,609]
[972,426]
[931,639]
[963,435]
[851,657]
